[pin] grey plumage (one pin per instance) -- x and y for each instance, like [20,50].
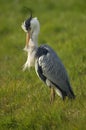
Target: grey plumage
[51,70]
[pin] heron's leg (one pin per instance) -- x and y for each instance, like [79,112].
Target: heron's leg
[52,96]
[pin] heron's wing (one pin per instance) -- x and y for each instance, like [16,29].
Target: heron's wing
[50,67]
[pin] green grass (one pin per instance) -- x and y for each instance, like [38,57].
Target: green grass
[24,99]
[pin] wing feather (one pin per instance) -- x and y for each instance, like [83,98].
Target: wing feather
[53,69]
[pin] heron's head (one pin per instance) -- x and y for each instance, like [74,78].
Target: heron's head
[32,27]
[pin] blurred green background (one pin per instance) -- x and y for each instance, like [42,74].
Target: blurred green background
[24,99]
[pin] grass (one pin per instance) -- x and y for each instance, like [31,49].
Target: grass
[24,99]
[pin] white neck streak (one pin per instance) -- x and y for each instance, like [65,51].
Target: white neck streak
[34,35]
[35,28]
[34,38]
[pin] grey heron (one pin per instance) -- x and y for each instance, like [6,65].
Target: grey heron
[48,65]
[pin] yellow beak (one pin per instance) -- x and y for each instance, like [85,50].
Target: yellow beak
[27,38]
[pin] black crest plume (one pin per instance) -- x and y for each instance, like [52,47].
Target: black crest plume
[27,22]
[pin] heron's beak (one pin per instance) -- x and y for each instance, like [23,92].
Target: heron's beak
[27,41]
[27,38]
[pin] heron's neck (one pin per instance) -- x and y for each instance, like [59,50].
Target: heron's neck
[34,37]
[31,50]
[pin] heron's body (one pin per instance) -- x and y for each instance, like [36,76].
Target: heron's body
[51,70]
[47,64]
